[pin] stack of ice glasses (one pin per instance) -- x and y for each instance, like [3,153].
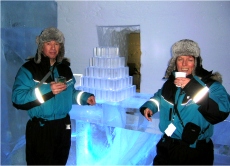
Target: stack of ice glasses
[107,77]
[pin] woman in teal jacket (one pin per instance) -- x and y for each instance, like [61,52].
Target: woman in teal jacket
[48,102]
[189,107]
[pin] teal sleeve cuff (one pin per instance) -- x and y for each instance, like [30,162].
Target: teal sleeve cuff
[81,97]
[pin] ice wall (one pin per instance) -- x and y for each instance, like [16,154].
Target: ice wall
[21,22]
[116,36]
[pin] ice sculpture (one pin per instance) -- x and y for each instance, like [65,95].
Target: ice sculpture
[107,76]
[105,133]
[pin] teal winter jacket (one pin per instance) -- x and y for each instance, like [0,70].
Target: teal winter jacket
[39,101]
[203,101]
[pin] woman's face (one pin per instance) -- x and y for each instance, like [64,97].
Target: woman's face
[51,49]
[185,64]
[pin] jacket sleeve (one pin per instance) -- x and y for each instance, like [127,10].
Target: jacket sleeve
[152,103]
[25,95]
[213,101]
[81,97]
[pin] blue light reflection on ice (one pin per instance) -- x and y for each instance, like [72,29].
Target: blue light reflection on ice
[104,145]
[106,134]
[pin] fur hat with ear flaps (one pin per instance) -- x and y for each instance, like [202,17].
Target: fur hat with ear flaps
[189,47]
[47,35]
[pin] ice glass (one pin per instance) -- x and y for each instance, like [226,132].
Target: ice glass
[180,74]
[60,79]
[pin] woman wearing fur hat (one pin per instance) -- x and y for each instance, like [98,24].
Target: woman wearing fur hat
[48,102]
[189,108]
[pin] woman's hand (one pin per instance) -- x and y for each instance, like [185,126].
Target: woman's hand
[57,87]
[148,113]
[181,82]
